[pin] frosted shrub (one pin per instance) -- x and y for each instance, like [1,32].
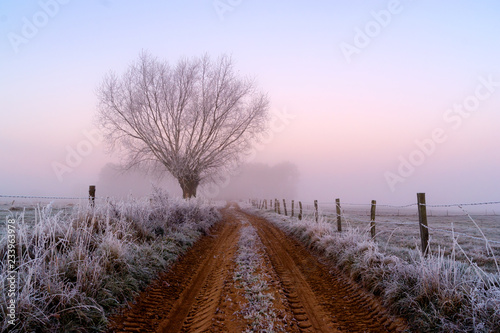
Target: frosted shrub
[75,269]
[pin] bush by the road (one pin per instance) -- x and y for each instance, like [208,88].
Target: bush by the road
[74,270]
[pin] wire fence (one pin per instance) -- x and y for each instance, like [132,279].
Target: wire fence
[474,228]
[392,226]
[41,197]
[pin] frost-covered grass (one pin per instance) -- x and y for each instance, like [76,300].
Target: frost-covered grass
[435,294]
[74,270]
[398,232]
[259,307]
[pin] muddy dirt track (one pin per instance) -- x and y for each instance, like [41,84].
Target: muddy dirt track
[200,293]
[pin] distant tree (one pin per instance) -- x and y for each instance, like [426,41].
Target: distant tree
[192,119]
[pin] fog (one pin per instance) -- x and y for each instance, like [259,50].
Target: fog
[118,183]
[260,181]
[368,101]
[252,180]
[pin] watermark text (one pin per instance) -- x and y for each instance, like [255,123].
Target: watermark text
[453,118]
[11,281]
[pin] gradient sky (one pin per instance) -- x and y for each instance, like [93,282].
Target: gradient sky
[357,113]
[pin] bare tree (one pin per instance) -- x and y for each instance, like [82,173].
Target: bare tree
[193,119]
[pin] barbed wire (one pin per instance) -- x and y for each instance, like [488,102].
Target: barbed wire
[350,219]
[459,233]
[400,206]
[43,197]
[459,205]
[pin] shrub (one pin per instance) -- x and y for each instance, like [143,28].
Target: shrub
[75,269]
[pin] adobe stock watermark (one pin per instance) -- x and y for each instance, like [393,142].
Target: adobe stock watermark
[280,120]
[12,278]
[32,25]
[75,155]
[453,117]
[371,30]
[221,7]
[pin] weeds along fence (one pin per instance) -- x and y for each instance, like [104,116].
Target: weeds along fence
[91,198]
[472,227]
[28,205]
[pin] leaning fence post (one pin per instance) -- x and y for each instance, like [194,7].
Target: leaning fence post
[278,204]
[422,219]
[372,218]
[316,210]
[292,207]
[284,207]
[92,195]
[339,215]
[300,210]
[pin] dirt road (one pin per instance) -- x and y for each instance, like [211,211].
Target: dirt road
[204,291]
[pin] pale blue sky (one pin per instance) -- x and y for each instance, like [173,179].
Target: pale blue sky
[354,119]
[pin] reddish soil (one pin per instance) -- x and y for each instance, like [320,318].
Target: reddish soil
[199,293]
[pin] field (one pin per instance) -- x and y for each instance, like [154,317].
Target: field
[468,234]
[28,210]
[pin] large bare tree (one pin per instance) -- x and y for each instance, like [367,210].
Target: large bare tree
[193,118]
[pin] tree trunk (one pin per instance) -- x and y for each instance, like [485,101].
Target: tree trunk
[189,186]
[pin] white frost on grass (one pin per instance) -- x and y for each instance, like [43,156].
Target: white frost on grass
[248,276]
[75,269]
[435,293]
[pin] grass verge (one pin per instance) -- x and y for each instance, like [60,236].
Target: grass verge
[258,310]
[74,270]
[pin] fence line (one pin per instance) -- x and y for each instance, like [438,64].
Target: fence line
[41,197]
[91,197]
[332,211]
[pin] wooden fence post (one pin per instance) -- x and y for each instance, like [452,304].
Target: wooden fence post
[284,207]
[292,207]
[316,215]
[372,218]
[278,204]
[422,219]
[265,204]
[339,215]
[92,195]
[300,210]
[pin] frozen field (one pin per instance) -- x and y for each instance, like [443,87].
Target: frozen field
[469,234]
[28,210]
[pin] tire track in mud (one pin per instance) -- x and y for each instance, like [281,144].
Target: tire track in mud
[322,299]
[196,307]
[191,287]
[199,293]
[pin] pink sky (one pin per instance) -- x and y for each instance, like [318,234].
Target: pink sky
[355,117]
